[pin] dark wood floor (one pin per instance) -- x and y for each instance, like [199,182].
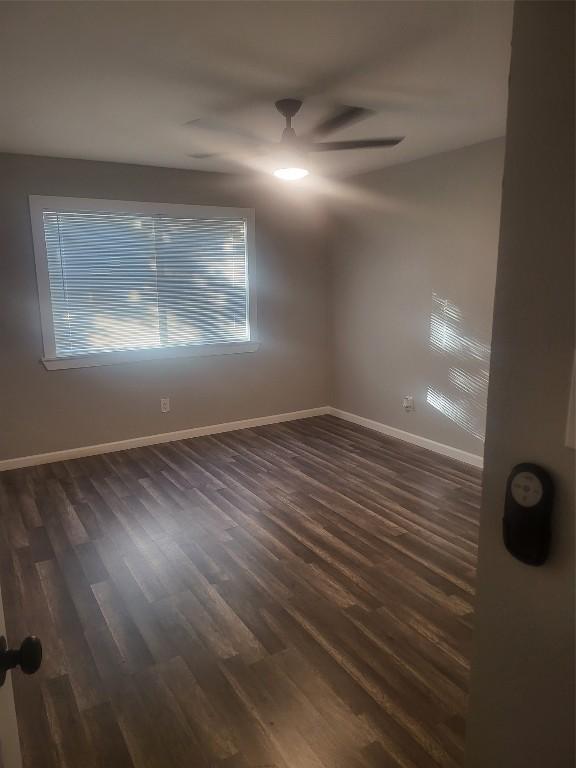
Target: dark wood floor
[293,596]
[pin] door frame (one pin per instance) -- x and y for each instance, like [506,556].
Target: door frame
[10,754]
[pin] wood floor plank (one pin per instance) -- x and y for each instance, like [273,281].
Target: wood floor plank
[299,595]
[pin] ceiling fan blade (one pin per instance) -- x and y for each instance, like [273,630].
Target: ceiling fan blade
[215,139]
[345,115]
[205,155]
[219,130]
[330,146]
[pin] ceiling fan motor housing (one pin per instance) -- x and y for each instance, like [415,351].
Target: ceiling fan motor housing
[288,107]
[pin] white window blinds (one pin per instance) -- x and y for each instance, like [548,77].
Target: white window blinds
[129,281]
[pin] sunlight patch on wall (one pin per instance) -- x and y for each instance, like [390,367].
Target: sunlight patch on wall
[462,399]
[446,332]
[475,384]
[458,411]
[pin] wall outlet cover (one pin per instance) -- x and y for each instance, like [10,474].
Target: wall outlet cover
[408,403]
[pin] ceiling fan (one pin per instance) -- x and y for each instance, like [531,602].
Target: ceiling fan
[293,148]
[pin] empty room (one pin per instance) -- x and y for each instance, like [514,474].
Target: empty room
[287,386]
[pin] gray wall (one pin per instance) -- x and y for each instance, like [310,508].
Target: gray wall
[522,704]
[413,283]
[51,410]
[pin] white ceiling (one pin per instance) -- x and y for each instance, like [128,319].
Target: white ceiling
[119,80]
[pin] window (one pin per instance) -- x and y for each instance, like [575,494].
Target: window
[129,281]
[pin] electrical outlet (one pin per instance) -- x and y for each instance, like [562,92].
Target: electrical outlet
[164,404]
[408,403]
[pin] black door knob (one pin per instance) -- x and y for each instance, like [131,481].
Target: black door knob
[28,657]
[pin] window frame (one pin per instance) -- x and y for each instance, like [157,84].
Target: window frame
[41,203]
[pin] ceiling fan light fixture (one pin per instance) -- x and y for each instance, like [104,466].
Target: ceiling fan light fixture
[291,173]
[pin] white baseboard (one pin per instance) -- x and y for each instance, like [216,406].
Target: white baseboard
[408,437]
[165,437]
[230,426]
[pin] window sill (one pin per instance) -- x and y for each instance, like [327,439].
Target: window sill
[139,355]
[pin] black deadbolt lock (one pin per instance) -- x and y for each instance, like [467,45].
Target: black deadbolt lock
[527,513]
